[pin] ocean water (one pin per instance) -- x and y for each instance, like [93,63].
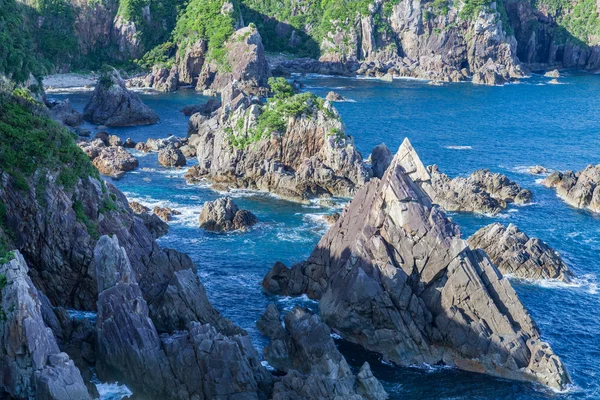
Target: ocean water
[460,127]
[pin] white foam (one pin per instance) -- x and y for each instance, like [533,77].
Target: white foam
[459,147]
[267,366]
[77,314]
[335,336]
[587,283]
[112,391]
[524,169]
[189,214]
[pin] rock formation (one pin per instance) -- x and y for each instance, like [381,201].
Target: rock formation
[111,161]
[381,158]
[394,276]
[165,213]
[32,364]
[154,222]
[483,192]
[223,215]
[63,112]
[538,170]
[310,156]
[314,367]
[578,189]
[333,96]
[171,157]
[113,105]
[515,253]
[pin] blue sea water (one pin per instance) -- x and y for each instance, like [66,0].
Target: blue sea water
[460,127]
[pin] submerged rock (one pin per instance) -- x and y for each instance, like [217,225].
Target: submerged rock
[578,189]
[32,364]
[314,367]
[113,105]
[515,253]
[483,192]
[538,170]
[394,276]
[223,215]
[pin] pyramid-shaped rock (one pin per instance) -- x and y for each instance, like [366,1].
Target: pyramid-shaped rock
[394,276]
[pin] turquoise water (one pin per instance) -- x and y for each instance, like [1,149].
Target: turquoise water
[461,127]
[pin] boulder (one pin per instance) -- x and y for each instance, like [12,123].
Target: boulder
[381,157]
[159,144]
[333,96]
[552,74]
[171,157]
[515,253]
[579,190]
[63,112]
[114,161]
[165,213]
[223,215]
[537,170]
[394,276]
[332,218]
[129,144]
[32,364]
[113,105]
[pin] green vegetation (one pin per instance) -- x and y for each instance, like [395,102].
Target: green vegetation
[472,8]
[81,216]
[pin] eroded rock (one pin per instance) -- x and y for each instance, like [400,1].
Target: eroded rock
[223,215]
[578,189]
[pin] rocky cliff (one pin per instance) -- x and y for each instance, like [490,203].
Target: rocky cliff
[394,276]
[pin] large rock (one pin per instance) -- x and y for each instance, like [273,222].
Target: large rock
[381,157]
[199,362]
[113,105]
[515,253]
[579,189]
[482,192]
[114,161]
[394,276]
[63,112]
[314,367]
[32,364]
[171,157]
[224,215]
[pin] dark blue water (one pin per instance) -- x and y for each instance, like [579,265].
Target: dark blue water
[461,127]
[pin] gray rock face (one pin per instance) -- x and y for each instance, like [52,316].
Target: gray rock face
[32,364]
[153,222]
[223,215]
[63,112]
[578,189]
[394,276]
[171,157]
[314,367]
[186,364]
[111,161]
[515,253]
[381,157]
[314,157]
[483,192]
[113,105]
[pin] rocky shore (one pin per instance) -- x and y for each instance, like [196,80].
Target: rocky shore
[578,189]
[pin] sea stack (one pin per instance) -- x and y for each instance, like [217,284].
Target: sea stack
[394,276]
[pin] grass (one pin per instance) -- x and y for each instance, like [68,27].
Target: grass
[81,216]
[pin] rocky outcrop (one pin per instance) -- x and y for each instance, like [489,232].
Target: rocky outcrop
[245,55]
[538,170]
[515,253]
[310,157]
[394,276]
[32,364]
[314,367]
[223,215]
[185,364]
[155,224]
[578,189]
[63,112]
[171,157]
[482,192]
[165,213]
[111,161]
[333,96]
[205,109]
[381,158]
[113,105]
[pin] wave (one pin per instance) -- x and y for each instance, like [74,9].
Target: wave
[587,282]
[78,314]
[459,147]
[524,169]
[189,213]
[112,391]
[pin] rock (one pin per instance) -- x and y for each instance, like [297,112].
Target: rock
[514,253]
[552,74]
[113,105]
[143,147]
[223,215]
[164,80]
[538,170]
[159,144]
[333,96]
[206,109]
[171,157]
[554,82]
[32,364]
[188,151]
[114,161]
[165,213]
[190,65]
[332,218]
[314,367]
[387,78]
[129,144]
[63,112]
[579,190]
[483,192]
[138,208]
[394,276]
[114,140]
[153,221]
[381,157]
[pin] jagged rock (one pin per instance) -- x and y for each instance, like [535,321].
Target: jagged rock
[114,161]
[332,218]
[207,108]
[249,67]
[394,276]
[514,253]
[314,367]
[63,112]
[538,170]
[155,223]
[188,151]
[223,215]
[32,364]
[190,64]
[580,189]
[552,74]
[138,208]
[171,157]
[185,364]
[113,105]
[143,147]
[159,144]
[129,144]
[482,192]
[381,157]
[165,213]
[163,79]
[333,96]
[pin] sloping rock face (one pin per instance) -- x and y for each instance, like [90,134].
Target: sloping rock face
[314,367]
[198,362]
[515,253]
[394,276]
[224,215]
[305,161]
[32,364]
[578,189]
[483,192]
[247,62]
[113,105]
